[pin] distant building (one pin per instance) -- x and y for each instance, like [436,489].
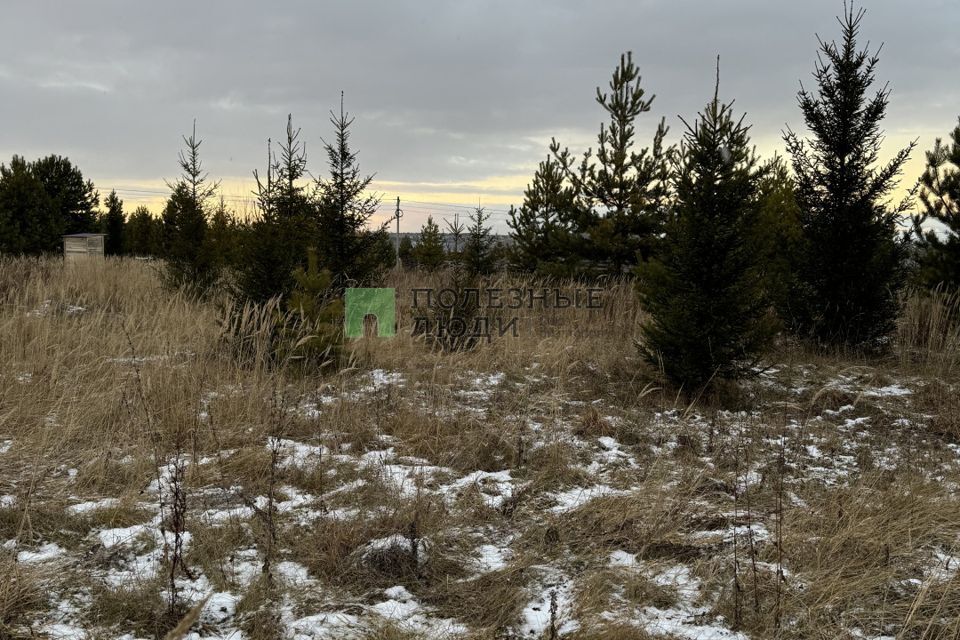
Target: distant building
[77,246]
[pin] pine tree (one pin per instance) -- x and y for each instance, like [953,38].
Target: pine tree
[543,229]
[317,315]
[429,252]
[276,243]
[29,223]
[345,208]
[74,199]
[142,234]
[704,291]
[939,259]
[52,198]
[456,230]
[851,268]
[621,193]
[379,256]
[189,263]
[113,225]
[405,253]
[290,199]
[779,237]
[223,235]
[477,255]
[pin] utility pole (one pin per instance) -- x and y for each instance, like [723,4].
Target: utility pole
[398,214]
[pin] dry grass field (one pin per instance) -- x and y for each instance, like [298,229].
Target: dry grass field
[539,486]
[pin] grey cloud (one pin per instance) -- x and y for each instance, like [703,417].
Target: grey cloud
[442,91]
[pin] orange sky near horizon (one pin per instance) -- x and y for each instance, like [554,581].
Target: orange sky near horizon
[444,199]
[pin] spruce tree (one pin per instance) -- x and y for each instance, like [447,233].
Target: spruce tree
[429,252]
[380,253]
[621,193]
[939,248]
[223,235]
[345,208]
[779,238]
[851,267]
[289,198]
[543,229]
[477,258]
[276,244]
[113,225]
[704,291]
[189,263]
[456,231]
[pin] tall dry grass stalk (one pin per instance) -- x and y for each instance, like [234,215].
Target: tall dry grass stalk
[928,333]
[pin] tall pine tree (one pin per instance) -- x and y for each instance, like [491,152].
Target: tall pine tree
[29,223]
[779,238]
[708,318]
[142,236]
[223,235]
[851,267]
[429,253]
[345,208]
[477,257]
[939,256]
[42,200]
[74,198]
[190,265]
[621,193]
[276,244]
[113,225]
[543,229]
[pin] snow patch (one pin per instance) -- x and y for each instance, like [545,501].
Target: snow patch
[537,617]
[492,558]
[579,496]
[110,538]
[49,551]
[893,390]
[687,619]
[622,559]
[494,487]
[92,505]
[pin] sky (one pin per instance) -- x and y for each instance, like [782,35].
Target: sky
[455,102]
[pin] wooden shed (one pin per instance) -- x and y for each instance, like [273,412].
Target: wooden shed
[83,245]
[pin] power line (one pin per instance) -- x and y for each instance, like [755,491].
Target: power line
[419,208]
[166,193]
[459,206]
[422,204]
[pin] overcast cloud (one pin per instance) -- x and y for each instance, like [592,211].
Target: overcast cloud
[454,101]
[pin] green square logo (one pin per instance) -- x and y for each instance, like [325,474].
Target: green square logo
[379,303]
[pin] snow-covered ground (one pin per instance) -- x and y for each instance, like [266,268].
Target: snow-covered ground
[568,493]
